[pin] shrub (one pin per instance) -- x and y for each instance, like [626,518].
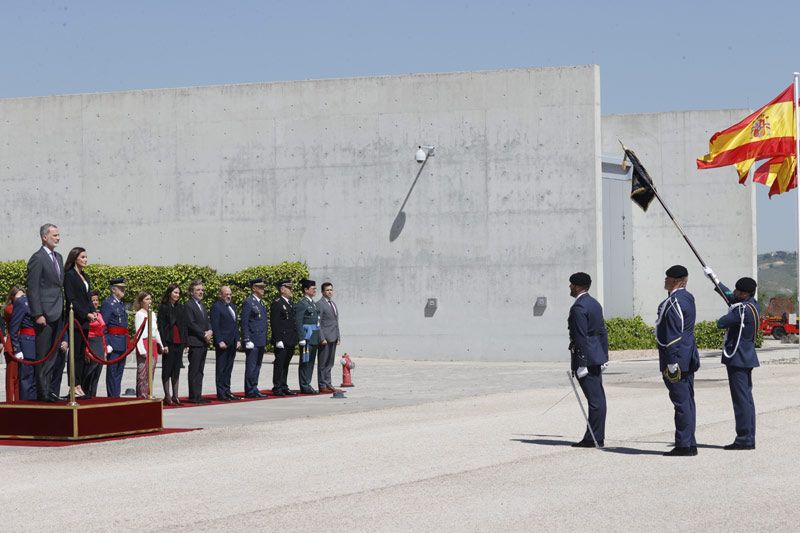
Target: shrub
[630,334]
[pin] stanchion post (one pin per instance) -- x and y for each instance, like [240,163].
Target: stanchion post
[72,402]
[149,354]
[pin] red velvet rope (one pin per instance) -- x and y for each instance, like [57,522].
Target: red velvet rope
[36,362]
[97,359]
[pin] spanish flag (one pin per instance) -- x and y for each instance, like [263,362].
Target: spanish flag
[778,173]
[767,134]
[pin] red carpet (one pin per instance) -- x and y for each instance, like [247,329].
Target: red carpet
[60,443]
[215,401]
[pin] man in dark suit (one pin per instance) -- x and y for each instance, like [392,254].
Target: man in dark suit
[307,317]
[254,336]
[45,280]
[200,334]
[226,342]
[739,356]
[284,337]
[329,337]
[678,356]
[588,345]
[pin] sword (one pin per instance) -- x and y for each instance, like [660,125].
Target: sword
[580,403]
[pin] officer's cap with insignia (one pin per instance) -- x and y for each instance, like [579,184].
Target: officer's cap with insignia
[257,282]
[677,272]
[581,279]
[283,283]
[306,283]
[117,282]
[747,285]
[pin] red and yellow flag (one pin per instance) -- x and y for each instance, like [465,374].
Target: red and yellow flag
[767,134]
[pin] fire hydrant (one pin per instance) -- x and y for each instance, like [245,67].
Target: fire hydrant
[347,366]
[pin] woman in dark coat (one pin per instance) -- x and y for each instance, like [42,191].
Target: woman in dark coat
[172,327]
[77,290]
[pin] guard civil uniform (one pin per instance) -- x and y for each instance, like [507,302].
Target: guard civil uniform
[307,319]
[23,340]
[740,358]
[117,336]
[589,352]
[678,356]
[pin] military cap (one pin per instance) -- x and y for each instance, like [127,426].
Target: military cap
[257,282]
[677,272]
[747,285]
[306,283]
[581,279]
[117,282]
[283,283]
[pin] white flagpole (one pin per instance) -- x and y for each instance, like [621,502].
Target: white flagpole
[797,170]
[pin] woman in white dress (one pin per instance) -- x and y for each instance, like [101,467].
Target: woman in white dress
[142,305]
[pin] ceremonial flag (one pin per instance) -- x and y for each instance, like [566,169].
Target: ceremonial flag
[778,173]
[765,134]
[642,189]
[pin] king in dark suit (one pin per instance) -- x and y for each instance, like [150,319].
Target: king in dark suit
[678,356]
[226,341]
[284,337]
[588,345]
[45,281]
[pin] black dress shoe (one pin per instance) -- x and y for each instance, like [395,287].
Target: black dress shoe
[587,444]
[223,399]
[53,397]
[234,398]
[278,393]
[289,393]
[682,451]
[308,391]
[203,400]
[736,446]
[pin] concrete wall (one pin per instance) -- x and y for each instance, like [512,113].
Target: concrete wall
[234,176]
[717,214]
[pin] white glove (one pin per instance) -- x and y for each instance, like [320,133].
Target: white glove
[303,342]
[19,355]
[603,367]
[249,345]
[582,372]
[109,349]
[673,367]
[711,275]
[279,345]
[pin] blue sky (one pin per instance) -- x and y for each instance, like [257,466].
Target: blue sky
[653,56]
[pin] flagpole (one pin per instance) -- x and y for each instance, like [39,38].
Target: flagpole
[797,188]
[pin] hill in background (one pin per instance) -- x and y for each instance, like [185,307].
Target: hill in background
[777,275]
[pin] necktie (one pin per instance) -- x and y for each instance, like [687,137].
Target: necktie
[335,313]
[55,263]
[233,313]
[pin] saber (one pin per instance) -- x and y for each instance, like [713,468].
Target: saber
[580,403]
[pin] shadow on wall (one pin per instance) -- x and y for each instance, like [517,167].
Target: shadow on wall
[400,220]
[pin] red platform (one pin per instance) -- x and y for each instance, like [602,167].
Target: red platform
[91,419]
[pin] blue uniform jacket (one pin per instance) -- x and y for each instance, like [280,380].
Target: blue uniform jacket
[254,320]
[675,332]
[587,332]
[115,315]
[223,324]
[21,318]
[743,356]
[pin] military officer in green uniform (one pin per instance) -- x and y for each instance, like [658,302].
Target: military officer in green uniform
[307,318]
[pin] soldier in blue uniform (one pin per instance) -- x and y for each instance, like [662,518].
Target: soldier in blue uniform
[117,337]
[23,341]
[254,321]
[588,346]
[739,356]
[678,356]
[307,318]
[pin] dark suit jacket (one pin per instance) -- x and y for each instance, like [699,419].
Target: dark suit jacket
[197,323]
[223,324]
[168,317]
[587,333]
[281,321]
[45,295]
[79,297]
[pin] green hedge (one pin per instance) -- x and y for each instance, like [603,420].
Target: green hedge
[156,279]
[635,334]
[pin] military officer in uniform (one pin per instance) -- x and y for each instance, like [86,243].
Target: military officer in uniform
[739,356]
[254,336]
[116,318]
[678,356]
[23,342]
[589,349]
[307,318]
[284,337]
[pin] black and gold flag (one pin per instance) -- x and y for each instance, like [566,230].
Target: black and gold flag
[642,188]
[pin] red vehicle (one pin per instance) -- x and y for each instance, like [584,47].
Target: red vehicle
[777,326]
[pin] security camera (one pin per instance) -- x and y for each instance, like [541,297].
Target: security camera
[424,153]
